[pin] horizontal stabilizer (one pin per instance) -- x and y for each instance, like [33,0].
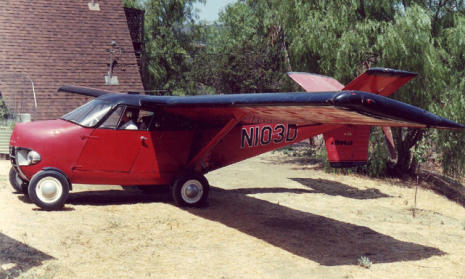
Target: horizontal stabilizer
[92,92]
[382,81]
[316,83]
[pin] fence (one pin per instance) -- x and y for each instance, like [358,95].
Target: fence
[18,103]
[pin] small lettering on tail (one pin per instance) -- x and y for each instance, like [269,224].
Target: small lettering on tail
[342,142]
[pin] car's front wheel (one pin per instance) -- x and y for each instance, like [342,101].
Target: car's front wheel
[190,189]
[17,182]
[49,189]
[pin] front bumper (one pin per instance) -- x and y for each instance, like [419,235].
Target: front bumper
[14,163]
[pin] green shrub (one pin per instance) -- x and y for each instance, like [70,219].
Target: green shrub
[364,262]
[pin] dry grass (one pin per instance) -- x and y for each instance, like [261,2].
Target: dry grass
[266,219]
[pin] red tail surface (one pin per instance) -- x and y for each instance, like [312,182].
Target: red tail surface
[316,83]
[380,81]
[348,146]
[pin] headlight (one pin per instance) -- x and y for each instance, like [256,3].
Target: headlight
[26,157]
[33,157]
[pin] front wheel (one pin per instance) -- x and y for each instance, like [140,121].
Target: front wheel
[190,189]
[49,189]
[17,182]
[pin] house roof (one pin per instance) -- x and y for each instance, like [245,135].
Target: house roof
[61,42]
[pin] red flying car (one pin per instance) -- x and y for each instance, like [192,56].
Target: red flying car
[131,139]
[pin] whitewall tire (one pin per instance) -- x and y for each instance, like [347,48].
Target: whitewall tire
[190,189]
[49,189]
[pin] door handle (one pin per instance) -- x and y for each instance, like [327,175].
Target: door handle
[143,139]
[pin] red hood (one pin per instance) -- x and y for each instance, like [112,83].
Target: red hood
[30,133]
[58,142]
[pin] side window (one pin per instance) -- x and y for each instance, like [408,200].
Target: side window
[113,119]
[135,119]
[144,119]
[128,118]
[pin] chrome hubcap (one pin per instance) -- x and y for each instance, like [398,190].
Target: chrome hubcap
[192,191]
[49,189]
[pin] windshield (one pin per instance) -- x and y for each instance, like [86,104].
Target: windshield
[88,114]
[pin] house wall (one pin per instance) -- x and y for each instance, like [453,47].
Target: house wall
[61,42]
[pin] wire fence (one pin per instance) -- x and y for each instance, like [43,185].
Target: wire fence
[18,102]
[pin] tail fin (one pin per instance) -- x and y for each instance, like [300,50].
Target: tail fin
[380,81]
[347,146]
[315,82]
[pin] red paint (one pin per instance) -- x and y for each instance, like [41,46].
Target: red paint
[229,151]
[380,84]
[347,144]
[57,141]
[316,83]
[126,157]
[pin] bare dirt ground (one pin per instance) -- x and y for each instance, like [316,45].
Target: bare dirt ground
[268,217]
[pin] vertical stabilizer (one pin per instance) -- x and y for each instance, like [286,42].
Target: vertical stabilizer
[382,81]
[316,83]
[347,146]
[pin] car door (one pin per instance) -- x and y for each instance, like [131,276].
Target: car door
[112,149]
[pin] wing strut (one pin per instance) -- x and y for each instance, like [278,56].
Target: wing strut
[193,163]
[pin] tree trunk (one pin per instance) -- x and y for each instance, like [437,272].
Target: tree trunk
[406,164]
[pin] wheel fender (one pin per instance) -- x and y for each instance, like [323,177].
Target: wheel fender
[62,172]
[186,172]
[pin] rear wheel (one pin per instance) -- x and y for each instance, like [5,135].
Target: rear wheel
[190,189]
[17,182]
[49,189]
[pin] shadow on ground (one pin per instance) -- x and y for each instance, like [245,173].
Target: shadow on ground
[116,197]
[334,188]
[323,240]
[17,257]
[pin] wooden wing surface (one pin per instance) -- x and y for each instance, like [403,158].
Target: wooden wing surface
[341,108]
[346,107]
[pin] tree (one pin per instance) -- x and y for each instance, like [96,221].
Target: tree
[170,33]
[341,39]
[239,56]
[408,43]
[255,43]
[452,101]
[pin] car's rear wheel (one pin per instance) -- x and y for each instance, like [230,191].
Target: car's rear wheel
[17,182]
[190,189]
[49,189]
